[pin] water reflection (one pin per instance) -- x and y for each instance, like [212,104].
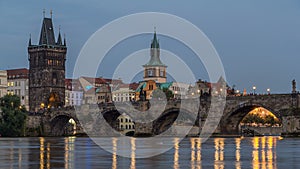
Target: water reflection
[219,153]
[176,153]
[71,152]
[238,153]
[114,154]
[264,159]
[195,153]
[132,164]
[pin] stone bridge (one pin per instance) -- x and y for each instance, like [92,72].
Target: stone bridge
[156,117]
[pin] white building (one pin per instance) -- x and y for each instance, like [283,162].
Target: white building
[73,92]
[180,90]
[3,83]
[17,84]
[124,93]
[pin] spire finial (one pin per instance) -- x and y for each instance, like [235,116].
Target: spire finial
[44,12]
[51,12]
[154,29]
[59,28]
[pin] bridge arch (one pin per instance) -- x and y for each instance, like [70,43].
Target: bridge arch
[59,122]
[169,116]
[111,117]
[231,120]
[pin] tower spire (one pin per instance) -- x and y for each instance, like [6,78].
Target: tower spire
[44,12]
[65,43]
[59,41]
[29,43]
[51,13]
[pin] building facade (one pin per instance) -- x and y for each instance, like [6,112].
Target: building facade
[17,84]
[125,124]
[155,69]
[47,69]
[3,83]
[74,93]
[124,93]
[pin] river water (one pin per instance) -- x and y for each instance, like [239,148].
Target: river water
[217,153]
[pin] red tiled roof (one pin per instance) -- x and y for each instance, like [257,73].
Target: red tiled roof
[99,80]
[73,84]
[18,73]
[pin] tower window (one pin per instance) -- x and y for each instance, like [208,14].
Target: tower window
[54,79]
[150,72]
[161,73]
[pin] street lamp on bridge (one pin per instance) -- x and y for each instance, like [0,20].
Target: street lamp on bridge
[268,91]
[254,88]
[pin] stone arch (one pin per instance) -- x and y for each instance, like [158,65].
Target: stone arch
[168,117]
[230,121]
[59,122]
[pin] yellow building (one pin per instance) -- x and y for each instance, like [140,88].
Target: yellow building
[125,124]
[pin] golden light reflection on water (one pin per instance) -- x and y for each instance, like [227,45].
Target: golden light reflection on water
[114,154]
[238,153]
[69,152]
[48,156]
[195,153]
[176,153]
[42,148]
[219,153]
[267,156]
[263,153]
[132,164]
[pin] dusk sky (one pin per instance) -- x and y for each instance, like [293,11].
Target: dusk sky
[258,41]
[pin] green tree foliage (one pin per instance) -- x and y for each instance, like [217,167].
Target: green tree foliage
[256,118]
[169,93]
[12,116]
[164,93]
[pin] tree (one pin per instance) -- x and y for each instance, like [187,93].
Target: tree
[169,93]
[12,116]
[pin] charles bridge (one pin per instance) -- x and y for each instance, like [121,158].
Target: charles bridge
[151,119]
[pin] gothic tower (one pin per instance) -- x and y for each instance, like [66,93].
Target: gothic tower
[47,69]
[155,69]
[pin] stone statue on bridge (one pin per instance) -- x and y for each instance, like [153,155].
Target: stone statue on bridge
[294,86]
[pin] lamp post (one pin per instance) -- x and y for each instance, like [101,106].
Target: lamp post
[268,91]
[238,92]
[254,88]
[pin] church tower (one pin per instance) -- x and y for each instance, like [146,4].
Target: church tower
[47,69]
[155,69]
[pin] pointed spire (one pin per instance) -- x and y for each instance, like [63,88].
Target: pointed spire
[155,52]
[155,43]
[59,41]
[65,43]
[44,12]
[47,33]
[51,12]
[29,43]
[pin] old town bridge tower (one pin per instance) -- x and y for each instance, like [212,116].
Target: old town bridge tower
[47,69]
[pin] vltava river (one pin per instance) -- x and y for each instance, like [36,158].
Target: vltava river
[72,152]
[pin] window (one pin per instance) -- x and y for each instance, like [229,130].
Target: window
[161,73]
[150,87]
[150,72]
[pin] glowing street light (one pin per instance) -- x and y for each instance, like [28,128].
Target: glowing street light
[268,90]
[254,88]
